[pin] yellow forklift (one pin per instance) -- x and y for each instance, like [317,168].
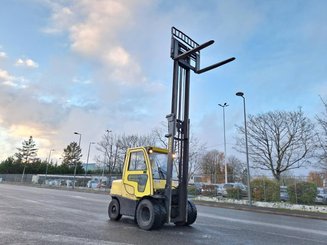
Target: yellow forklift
[153,188]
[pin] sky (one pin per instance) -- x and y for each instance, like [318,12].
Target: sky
[91,66]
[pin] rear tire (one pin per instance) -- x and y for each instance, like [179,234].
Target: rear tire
[149,214]
[114,210]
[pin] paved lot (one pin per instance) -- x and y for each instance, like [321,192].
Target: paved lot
[30,215]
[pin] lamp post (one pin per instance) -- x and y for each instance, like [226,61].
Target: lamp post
[104,161]
[79,145]
[80,137]
[48,162]
[87,159]
[225,163]
[241,94]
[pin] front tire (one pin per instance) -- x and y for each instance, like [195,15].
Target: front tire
[192,214]
[114,210]
[149,214]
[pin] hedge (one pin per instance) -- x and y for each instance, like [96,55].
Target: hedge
[302,193]
[264,189]
[234,193]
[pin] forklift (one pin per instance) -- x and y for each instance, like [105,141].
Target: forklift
[153,188]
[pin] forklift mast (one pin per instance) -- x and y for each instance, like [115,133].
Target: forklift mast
[185,53]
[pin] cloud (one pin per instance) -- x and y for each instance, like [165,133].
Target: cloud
[4,76]
[61,18]
[20,130]
[97,84]
[27,63]
[81,81]
[21,109]
[95,29]
[3,55]
[111,42]
[114,79]
[12,81]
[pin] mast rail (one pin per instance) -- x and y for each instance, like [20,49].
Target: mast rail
[179,35]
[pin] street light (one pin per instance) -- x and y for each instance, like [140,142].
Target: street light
[79,145]
[105,156]
[48,162]
[80,136]
[87,160]
[223,106]
[241,94]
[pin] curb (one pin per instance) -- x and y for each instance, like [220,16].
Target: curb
[294,213]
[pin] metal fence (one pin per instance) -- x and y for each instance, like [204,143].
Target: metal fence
[293,190]
[62,181]
[27,178]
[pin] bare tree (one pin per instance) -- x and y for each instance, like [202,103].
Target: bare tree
[235,169]
[159,135]
[278,141]
[196,153]
[105,146]
[322,137]
[196,149]
[129,141]
[113,149]
[212,163]
[316,177]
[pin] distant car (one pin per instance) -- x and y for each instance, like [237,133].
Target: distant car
[222,191]
[69,183]
[283,194]
[54,182]
[208,190]
[321,196]
[198,187]
[244,188]
[92,184]
[102,184]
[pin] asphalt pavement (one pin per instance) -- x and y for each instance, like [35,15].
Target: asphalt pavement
[228,205]
[30,215]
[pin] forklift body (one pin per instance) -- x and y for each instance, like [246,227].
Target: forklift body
[141,191]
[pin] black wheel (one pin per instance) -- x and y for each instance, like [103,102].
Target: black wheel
[163,213]
[114,210]
[191,215]
[149,214]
